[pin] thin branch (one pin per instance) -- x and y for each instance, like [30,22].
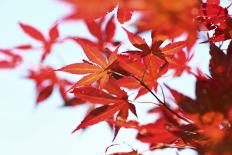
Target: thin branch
[163,103]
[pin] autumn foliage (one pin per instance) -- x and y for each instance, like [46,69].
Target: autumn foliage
[110,71]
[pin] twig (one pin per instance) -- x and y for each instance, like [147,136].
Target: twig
[163,103]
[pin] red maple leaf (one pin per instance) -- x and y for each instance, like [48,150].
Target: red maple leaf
[11,60]
[47,44]
[113,100]
[165,53]
[103,32]
[97,69]
[46,81]
[214,17]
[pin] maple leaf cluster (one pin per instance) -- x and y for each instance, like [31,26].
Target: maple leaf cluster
[109,72]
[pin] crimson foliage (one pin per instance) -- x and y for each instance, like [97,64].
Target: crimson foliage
[110,72]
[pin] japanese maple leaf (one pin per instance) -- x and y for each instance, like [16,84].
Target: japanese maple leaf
[164,53]
[87,10]
[46,81]
[220,64]
[153,64]
[181,60]
[214,17]
[150,133]
[174,133]
[207,120]
[124,12]
[11,60]
[113,101]
[97,68]
[103,33]
[211,109]
[147,73]
[83,9]
[38,36]
[168,17]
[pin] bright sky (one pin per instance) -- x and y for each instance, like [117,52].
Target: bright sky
[45,130]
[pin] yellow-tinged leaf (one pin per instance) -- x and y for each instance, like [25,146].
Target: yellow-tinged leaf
[92,53]
[89,79]
[80,68]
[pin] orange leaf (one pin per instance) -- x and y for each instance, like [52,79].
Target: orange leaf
[92,53]
[104,80]
[91,9]
[137,41]
[89,79]
[134,67]
[173,48]
[113,88]
[80,68]
[128,82]
[123,15]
